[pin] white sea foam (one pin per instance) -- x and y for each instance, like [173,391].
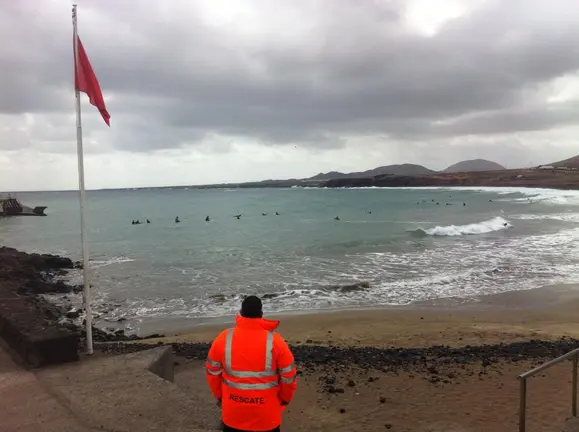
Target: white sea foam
[495,224]
[565,217]
[547,196]
[95,264]
[526,258]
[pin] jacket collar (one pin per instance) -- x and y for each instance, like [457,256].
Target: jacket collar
[256,323]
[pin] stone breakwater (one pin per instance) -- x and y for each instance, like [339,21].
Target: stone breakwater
[437,364]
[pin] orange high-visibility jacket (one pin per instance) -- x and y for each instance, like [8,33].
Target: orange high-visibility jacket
[251,369]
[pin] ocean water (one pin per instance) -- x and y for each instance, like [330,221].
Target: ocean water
[408,248]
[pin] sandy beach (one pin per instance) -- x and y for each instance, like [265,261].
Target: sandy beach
[544,313]
[360,370]
[445,365]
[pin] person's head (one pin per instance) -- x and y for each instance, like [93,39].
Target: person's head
[251,307]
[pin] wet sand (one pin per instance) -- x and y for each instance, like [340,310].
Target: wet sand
[375,370]
[543,313]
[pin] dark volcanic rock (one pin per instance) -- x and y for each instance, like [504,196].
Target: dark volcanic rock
[29,275]
[358,286]
[73,314]
[510,178]
[153,336]
[333,389]
[33,273]
[427,362]
[31,325]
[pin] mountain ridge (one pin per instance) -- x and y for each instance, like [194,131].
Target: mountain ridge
[572,162]
[472,165]
[399,169]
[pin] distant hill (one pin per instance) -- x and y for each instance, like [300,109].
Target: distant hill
[474,165]
[329,175]
[569,163]
[399,170]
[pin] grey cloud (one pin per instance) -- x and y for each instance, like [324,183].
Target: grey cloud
[539,118]
[358,70]
[144,137]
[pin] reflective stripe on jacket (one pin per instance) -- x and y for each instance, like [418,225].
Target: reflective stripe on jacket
[251,368]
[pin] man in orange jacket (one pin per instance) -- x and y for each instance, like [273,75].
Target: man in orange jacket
[251,372]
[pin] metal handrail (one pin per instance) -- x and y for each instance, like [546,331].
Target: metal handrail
[523,386]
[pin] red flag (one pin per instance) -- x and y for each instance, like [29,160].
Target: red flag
[86,81]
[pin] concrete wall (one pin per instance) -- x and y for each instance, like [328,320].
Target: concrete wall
[163,365]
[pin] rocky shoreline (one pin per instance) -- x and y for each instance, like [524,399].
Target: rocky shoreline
[437,364]
[524,177]
[529,178]
[31,276]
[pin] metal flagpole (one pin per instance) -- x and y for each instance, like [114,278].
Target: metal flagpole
[82,197]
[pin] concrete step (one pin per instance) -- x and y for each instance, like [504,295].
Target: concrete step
[133,392]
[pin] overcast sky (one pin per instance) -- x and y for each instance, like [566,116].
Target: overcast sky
[211,91]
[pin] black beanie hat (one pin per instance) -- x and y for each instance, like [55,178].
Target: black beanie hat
[251,307]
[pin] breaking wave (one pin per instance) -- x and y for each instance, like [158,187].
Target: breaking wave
[495,224]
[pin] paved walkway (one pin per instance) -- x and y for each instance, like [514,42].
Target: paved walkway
[25,406]
[122,394]
[108,394]
[104,395]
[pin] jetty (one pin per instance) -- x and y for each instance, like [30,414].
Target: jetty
[10,206]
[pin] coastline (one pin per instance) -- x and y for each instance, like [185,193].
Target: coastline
[437,367]
[25,278]
[546,312]
[429,366]
[524,177]
[519,178]
[510,307]
[525,328]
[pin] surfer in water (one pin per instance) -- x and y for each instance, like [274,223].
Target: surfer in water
[337,218]
[238,216]
[207,219]
[177,219]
